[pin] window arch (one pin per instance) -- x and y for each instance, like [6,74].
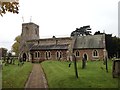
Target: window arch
[27,30]
[38,54]
[36,31]
[59,54]
[95,53]
[48,54]
[35,55]
[77,53]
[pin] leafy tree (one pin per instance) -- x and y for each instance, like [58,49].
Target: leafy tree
[98,33]
[15,46]
[113,46]
[81,31]
[9,7]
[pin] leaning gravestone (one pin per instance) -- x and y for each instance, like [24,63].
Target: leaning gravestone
[75,65]
[73,58]
[116,68]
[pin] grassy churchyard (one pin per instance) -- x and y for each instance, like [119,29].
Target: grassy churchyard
[59,75]
[14,76]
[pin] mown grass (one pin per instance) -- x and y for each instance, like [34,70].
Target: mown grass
[14,76]
[59,75]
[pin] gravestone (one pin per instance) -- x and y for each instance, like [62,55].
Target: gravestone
[75,65]
[106,64]
[116,68]
[83,62]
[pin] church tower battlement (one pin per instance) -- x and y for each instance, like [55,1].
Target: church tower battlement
[30,31]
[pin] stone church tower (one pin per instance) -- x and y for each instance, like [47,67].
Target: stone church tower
[30,31]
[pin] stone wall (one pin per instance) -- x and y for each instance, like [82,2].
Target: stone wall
[30,31]
[53,55]
[89,53]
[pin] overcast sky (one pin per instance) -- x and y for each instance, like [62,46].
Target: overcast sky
[60,18]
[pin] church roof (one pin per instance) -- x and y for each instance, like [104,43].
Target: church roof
[50,47]
[82,42]
[46,39]
[30,45]
[89,41]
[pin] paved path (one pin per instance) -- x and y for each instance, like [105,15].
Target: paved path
[36,78]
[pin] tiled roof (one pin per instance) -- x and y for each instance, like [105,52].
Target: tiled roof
[45,39]
[50,47]
[89,41]
[82,42]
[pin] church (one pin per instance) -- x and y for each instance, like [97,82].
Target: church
[33,48]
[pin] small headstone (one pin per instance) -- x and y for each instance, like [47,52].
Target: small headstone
[75,65]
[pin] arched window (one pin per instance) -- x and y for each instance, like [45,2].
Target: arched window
[95,53]
[47,54]
[38,54]
[35,54]
[77,53]
[59,54]
[36,31]
[27,30]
